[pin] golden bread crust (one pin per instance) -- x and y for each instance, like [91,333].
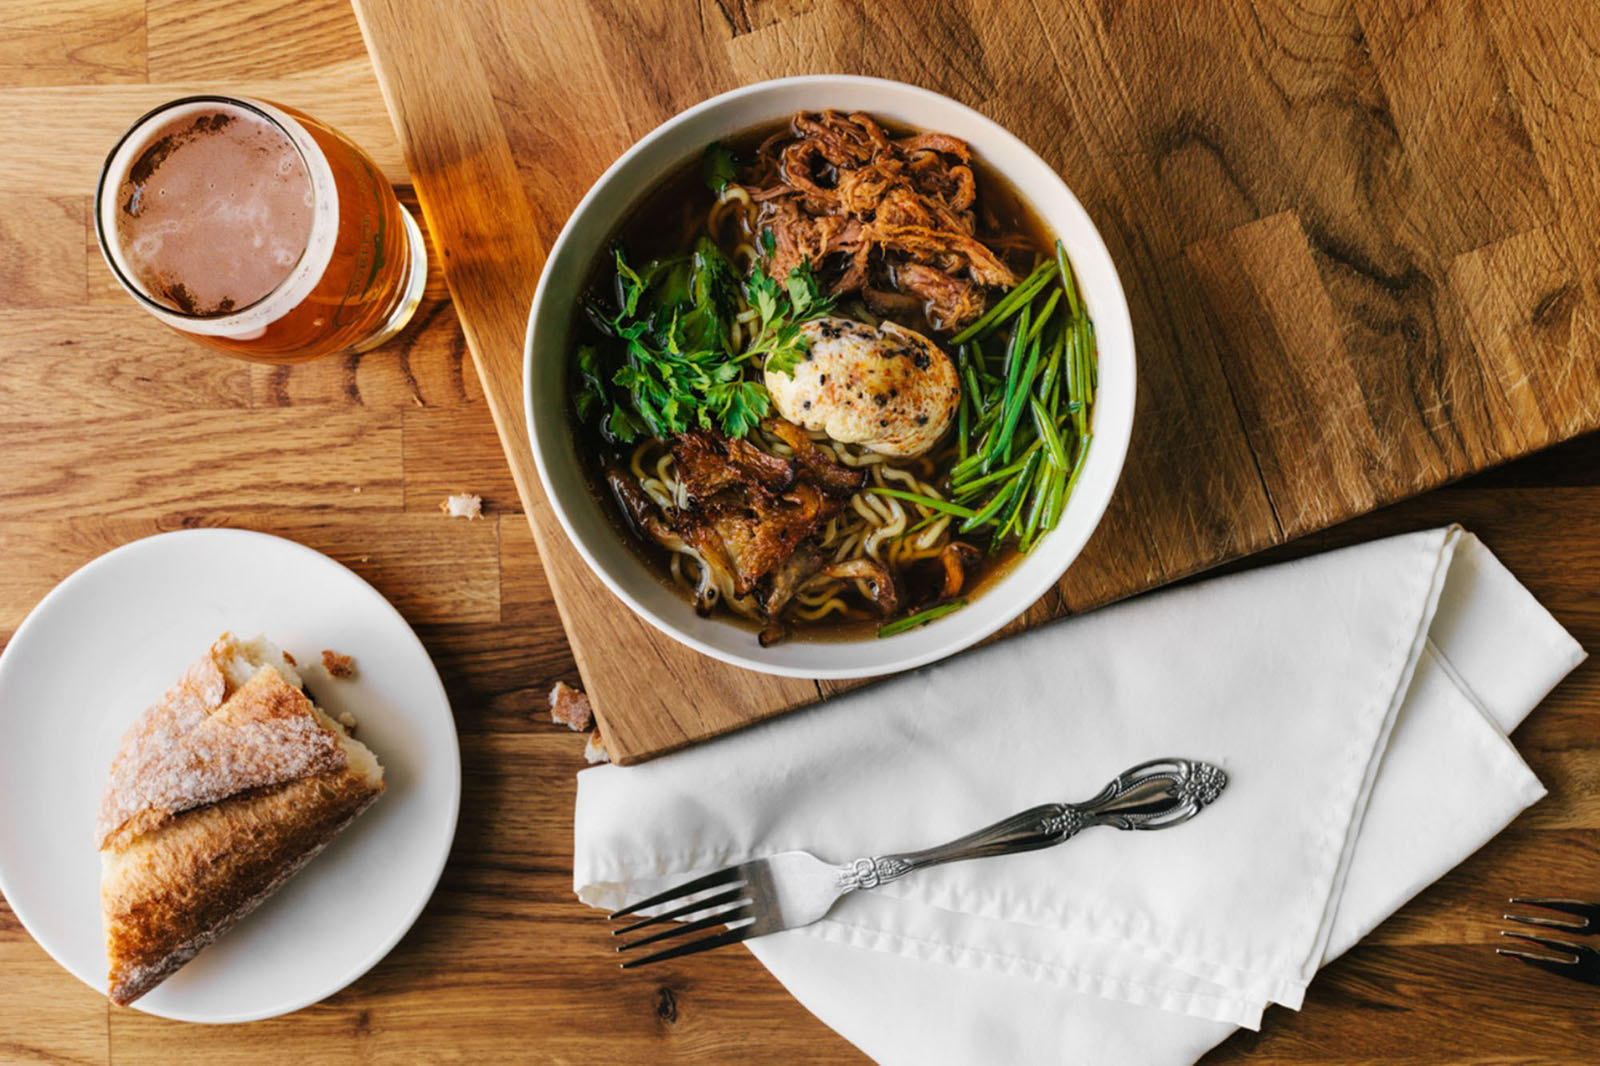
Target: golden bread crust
[175,890]
[201,743]
[219,793]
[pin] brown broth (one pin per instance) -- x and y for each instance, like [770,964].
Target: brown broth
[665,221]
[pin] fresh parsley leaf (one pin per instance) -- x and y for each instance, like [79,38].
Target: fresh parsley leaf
[717,166]
[715,283]
[769,242]
[714,292]
[778,344]
[630,286]
[784,362]
[670,283]
[739,405]
[668,362]
[622,425]
[591,397]
[803,289]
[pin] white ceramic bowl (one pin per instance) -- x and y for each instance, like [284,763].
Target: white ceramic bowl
[672,145]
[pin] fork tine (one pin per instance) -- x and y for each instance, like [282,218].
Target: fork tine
[1555,966]
[732,936]
[1587,912]
[1566,947]
[722,917]
[688,908]
[1547,923]
[699,884]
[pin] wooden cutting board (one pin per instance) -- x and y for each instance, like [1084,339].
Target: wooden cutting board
[1359,241]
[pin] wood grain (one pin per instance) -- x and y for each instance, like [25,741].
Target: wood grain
[72,42]
[40,239]
[493,257]
[504,965]
[1349,275]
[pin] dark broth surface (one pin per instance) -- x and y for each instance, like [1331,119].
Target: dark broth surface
[665,222]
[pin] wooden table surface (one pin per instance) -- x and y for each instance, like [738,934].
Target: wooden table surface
[1358,241]
[113,428]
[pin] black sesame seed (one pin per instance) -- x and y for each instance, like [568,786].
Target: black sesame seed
[880,399]
[922,420]
[883,421]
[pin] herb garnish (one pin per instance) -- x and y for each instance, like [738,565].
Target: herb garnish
[674,365]
[717,166]
[778,345]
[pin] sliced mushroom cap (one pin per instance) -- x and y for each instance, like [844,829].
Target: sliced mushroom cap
[876,577]
[709,462]
[955,558]
[785,579]
[634,502]
[835,478]
[642,512]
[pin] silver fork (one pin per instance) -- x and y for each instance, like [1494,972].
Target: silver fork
[1578,961]
[795,888]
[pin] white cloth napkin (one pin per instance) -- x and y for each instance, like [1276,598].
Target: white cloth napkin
[1359,701]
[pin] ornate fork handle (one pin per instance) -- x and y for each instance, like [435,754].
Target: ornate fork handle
[1152,795]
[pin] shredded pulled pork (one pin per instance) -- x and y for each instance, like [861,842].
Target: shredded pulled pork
[889,217]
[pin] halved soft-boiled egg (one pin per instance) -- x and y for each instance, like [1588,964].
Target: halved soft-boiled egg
[889,389]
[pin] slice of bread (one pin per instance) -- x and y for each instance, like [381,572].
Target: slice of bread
[220,792]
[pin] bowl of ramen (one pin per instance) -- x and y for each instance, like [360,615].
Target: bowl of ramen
[829,377]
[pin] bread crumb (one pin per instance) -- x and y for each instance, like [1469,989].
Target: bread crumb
[595,750]
[570,707]
[347,720]
[463,505]
[288,658]
[341,667]
[356,489]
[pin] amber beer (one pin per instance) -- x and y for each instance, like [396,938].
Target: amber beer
[254,228]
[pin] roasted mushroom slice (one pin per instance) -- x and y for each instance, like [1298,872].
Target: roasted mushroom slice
[956,557]
[834,477]
[771,633]
[715,573]
[787,578]
[759,532]
[709,462]
[874,578]
[631,498]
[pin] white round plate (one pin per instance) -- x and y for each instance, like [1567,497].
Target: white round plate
[105,644]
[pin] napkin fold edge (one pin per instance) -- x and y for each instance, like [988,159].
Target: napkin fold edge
[1410,640]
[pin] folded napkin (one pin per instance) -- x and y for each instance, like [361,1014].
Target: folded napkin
[1359,701]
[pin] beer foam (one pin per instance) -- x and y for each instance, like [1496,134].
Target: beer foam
[224,214]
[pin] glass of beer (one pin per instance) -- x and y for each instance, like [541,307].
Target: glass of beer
[254,228]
